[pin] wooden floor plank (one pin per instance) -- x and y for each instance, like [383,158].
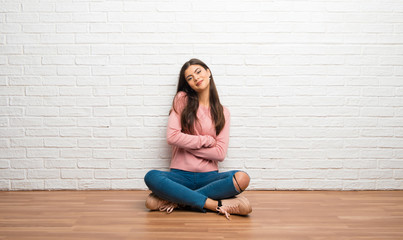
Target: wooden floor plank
[276,215]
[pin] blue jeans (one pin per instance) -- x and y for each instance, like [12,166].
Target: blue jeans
[191,188]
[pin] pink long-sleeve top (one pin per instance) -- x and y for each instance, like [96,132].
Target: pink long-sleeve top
[202,151]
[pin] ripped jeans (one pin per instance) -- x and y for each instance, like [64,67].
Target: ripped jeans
[191,188]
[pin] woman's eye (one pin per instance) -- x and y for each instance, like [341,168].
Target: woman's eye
[198,72]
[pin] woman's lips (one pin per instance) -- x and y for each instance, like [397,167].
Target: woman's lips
[199,82]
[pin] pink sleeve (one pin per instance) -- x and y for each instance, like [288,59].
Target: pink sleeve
[176,137]
[219,151]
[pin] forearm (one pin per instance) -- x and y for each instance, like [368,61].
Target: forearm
[187,141]
[216,153]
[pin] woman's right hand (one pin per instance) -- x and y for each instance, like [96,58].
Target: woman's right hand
[210,142]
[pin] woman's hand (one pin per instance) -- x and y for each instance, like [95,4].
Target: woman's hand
[211,142]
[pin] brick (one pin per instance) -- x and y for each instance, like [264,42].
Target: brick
[129,101]
[59,81]
[93,143]
[343,174]
[11,111]
[75,91]
[376,174]
[40,70]
[93,122]
[139,174]
[24,60]
[4,164]
[292,184]
[89,17]
[43,174]
[71,28]
[77,174]
[150,155]
[381,154]
[389,185]
[94,164]
[72,7]
[75,132]
[61,184]
[106,7]
[126,164]
[33,50]
[57,60]
[91,60]
[78,50]
[377,132]
[55,17]
[10,7]
[106,49]
[11,132]
[42,153]
[5,185]
[12,174]
[42,91]
[41,132]
[73,71]
[105,28]
[75,112]
[38,7]
[129,143]
[76,153]
[326,184]
[147,111]
[146,132]
[26,142]
[99,101]
[10,70]
[92,81]
[60,142]
[57,38]
[398,174]
[128,81]
[359,185]
[110,174]
[60,122]
[21,81]
[390,164]
[109,91]
[85,38]
[28,185]
[22,17]
[109,111]
[109,154]
[268,163]
[38,28]
[61,164]
[59,101]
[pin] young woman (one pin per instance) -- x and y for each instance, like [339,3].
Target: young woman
[198,130]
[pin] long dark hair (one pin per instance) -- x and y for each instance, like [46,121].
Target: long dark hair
[189,113]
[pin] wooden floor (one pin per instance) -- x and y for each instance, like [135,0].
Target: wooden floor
[276,215]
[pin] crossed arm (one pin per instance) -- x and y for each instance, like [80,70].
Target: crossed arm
[203,146]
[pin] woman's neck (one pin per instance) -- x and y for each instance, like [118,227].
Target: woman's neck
[204,98]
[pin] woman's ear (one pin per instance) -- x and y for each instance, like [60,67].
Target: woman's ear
[209,73]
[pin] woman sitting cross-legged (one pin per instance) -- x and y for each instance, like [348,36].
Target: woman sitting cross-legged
[198,131]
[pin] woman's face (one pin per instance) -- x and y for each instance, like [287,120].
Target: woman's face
[198,78]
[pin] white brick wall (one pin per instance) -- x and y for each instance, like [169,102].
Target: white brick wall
[315,89]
